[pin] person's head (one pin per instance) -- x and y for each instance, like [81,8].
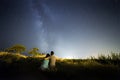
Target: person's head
[47,55]
[52,53]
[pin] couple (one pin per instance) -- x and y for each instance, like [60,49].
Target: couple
[49,62]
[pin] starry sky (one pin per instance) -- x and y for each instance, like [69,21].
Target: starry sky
[71,28]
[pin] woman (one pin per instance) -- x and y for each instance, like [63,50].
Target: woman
[45,63]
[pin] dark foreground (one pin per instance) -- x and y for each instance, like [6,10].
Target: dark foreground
[9,73]
[16,68]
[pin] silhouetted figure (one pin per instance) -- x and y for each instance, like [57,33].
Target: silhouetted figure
[52,63]
[45,63]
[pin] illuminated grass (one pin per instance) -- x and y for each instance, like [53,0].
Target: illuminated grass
[64,67]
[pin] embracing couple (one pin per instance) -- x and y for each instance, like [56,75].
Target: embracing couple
[48,62]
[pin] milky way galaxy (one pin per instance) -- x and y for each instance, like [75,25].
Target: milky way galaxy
[71,28]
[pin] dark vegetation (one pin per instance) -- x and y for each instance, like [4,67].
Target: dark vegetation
[19,67]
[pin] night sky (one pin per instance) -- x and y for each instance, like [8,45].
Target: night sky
[71,28]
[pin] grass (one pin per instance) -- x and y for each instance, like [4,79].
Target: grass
[16,66]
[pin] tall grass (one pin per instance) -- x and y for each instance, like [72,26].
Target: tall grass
[65,67]
[111,59]
[112,56]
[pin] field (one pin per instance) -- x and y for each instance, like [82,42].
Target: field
[20,67]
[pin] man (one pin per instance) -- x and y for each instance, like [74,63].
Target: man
[52,60]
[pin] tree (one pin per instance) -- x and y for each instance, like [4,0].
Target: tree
[18,48]
[34,51]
